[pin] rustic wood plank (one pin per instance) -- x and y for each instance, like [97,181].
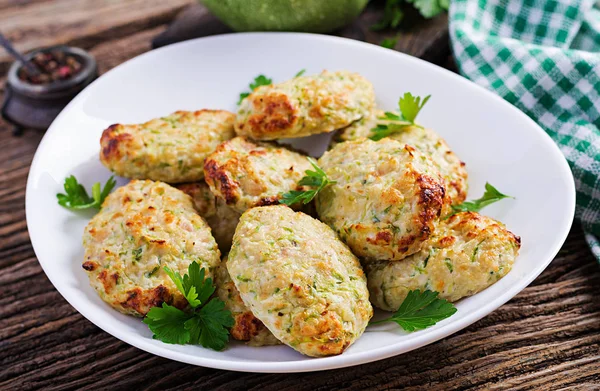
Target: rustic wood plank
[426,39]
[194,21]
[82,23]
[18,3]
[547,337]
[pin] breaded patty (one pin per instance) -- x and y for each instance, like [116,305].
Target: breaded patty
[171,149]
[142,227]
[453,170]
[467,253]
[248,173]
[220,217]
[300,280]
[247,327]
[386,200]
[305,105]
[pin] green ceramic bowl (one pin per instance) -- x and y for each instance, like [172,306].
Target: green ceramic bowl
[315,16]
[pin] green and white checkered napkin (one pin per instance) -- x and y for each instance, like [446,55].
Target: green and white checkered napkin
[544,58]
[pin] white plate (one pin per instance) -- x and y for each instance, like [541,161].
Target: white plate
[499,144]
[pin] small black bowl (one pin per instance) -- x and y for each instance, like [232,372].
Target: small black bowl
[35,106]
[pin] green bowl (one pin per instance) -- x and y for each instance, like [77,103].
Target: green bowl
[314,16]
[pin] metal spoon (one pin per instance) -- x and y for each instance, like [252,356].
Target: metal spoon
[31,69]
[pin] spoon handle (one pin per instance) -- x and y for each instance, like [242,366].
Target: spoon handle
[31,69]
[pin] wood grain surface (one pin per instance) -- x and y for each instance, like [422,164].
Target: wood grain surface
[82,23]
[546,338]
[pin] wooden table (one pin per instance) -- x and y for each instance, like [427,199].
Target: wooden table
[547,337]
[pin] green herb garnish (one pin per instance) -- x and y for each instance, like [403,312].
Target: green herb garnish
[393,13]
[409,107]
[389,43]
[430,8]
[77,198]
[260,80]
[382,131]
[420,310]
[317,179]
[490,196]
[392,16]
[206,323]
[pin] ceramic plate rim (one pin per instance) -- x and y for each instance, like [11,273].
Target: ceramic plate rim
[316,364]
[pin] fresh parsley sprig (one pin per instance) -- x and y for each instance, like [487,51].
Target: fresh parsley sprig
[389,43]
[430,8]
[393,13]
[260,80]
[317,179]
[77,198]
[409,106]
[206,323]
[192,285]
[420,310]
[385,130]
[490,196]
[392,16]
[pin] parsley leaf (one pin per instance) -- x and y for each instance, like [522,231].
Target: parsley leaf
[205,323]
[317,178]
[209,326]
[420,310]
[490,196]
[177,280]
[392,16]
[391,116]
[383,131]
[389,43]
[430,8]
[193,286]
[204,287]
[167,324]
[393,13]
[409,107]
[294,196]
[260,80]
[77,198]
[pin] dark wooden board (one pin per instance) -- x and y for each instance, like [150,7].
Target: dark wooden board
[546,338]
[83,23]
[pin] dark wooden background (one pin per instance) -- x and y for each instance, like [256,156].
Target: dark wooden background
[547,337]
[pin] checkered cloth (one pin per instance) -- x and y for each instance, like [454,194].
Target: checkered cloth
[543,56]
